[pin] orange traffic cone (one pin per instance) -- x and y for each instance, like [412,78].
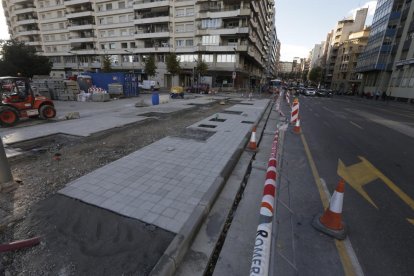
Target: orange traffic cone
[252,144]
[331,222]
[296,128]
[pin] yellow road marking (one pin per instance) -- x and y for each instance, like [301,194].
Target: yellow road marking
[340,245]
[362,173]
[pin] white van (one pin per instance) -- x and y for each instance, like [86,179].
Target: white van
[149,85]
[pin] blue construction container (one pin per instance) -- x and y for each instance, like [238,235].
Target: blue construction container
[129,81]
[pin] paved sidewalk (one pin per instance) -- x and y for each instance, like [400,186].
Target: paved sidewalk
[297,248]
[162,183]
[96,117]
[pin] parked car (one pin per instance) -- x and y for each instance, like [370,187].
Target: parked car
[202,88]
[177,92]
[310,92]
[149,85]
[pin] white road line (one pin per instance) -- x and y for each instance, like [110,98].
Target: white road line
[348,245]
[358,126]
[327,109]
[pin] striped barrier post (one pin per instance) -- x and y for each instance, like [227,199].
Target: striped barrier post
[295,111]
[262,244]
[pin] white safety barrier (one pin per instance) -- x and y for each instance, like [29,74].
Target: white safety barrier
[164,99]
[262,244]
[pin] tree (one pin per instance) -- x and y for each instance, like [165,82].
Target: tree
[201,67]
[19,58]
[173,64]
[315,74]
[106,64]
[150,66]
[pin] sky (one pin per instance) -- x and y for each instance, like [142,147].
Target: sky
[300,23]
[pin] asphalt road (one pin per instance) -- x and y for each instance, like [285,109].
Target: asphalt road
[375,142]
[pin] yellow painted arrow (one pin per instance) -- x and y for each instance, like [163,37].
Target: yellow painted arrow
[364,172]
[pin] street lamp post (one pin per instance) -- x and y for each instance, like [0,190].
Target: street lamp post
[77,61]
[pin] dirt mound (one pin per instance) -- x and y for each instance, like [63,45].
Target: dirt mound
[81,239]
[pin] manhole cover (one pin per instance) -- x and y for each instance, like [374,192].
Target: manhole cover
[232,112]
[207,126]
[217,120]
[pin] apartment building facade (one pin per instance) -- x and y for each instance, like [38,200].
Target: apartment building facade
[340,34]
[401,84]
[345,79]
[377,60]
[229,35]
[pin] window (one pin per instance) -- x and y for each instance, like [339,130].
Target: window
[59,14]
[101,21]
[100,7]
[179,12]
[121,5]
[211,23]
[122,18]
[160,58]
[103,33]
[124,32]
[190,11]
[62,37]
[111,33]
[187,58]
[189,27]
[112,45]
[109,20]
[132,45]
[179,42]
[124,45]
[108,6]
[210,40]
[61,25]
[207,58]
[189,43]
[179,28]
[225,58]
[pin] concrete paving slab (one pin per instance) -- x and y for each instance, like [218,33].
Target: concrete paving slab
[166,155]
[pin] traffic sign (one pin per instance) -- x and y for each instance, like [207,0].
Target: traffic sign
[234,75]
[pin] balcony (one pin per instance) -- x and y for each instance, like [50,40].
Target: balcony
[407,44]
[76,27]
[386,48]
[28,32]
[79,14]
[390,32]
[80,39]
[147,4]
[395,15]
[255,8]
[26,22]
[142,35]
[219,14]
[154,19]
[23,11]
[223,31]
[75,2]
[411,28]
